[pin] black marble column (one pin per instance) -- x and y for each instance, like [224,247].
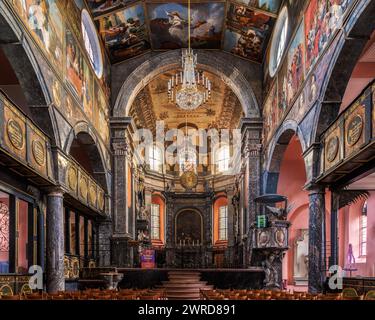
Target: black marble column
[122,231]
[316,239]
[55,241]
[251,131]
[333,261]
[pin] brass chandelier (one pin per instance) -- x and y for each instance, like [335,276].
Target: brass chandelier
[190,88]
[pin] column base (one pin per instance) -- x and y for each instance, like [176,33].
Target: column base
[121,252]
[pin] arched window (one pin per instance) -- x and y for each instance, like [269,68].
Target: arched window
[155,221]
[363,231]
[222,157]
[278,41]
[223,223]
[155,158]
[91,42]
[187,160]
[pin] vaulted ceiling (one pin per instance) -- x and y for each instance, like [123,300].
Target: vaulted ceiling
[130,28]
[222,111]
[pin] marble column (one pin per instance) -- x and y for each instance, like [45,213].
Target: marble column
[104,243]
[251,131]
[333,261]
[55,241]
[316,239]
[121,228]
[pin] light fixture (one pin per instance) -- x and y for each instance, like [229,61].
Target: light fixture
[190,88]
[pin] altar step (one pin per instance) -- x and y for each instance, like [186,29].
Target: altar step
[184,285]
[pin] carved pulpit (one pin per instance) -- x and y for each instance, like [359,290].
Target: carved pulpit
[270,238]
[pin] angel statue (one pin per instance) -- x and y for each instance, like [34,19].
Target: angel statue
[280,213]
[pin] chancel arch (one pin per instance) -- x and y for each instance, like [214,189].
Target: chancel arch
[167,61]
[231,139]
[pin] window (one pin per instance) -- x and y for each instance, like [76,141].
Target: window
[363,231]
[4,233]
[222,159]
[92,44]
[223,223]
[155,158]
[187,160]
[155,221]
[16,234]
[278,41]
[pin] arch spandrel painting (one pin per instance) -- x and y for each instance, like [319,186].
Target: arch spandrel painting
[45,22]
[49,22]
[320,22]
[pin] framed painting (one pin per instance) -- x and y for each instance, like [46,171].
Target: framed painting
[102,7]
[43,18]
[125,33]
[272,6]
[169,25]
[74,64]
[296,64]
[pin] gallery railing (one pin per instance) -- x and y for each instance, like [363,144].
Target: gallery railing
[22,142]
[344,142]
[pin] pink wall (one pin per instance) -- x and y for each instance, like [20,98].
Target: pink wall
[349,233]
[292,178]
[22,236]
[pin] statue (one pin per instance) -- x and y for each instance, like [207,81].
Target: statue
[141,193]
[279,213]
[143,213]
[236,205]
[350,260]
[271,273]
[207,186]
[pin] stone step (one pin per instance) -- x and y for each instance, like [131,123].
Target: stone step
[184,280]
[183,285]
[176,289]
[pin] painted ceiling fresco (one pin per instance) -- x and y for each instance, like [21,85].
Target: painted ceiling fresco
[222,111]
[130,28]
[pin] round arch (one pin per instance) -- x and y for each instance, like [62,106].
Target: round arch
[17,48]
[276,151]
[200,217]
[167,61]
[82,134]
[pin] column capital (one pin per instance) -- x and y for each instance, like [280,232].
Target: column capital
[313,188]
[55,191]
[120,147]
[118,123]
[251,123]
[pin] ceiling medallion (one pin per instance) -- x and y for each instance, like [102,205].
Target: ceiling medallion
[190,88]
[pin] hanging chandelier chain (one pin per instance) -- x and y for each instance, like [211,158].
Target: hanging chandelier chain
[189,89]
